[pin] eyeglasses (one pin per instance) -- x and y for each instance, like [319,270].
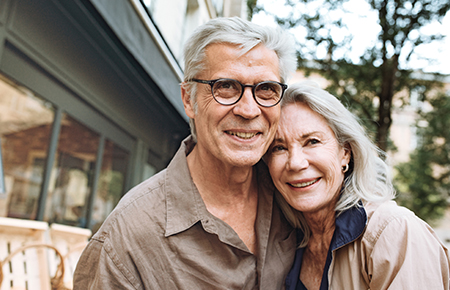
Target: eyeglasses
[228,91]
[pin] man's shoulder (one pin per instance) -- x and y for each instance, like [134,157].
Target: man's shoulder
[145,191]
[142,203]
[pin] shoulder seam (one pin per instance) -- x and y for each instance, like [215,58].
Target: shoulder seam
[120,267]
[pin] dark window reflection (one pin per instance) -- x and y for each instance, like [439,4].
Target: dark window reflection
[72,174]
[25,128]
[111,182]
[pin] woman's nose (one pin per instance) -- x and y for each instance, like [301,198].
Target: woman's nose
[297,160]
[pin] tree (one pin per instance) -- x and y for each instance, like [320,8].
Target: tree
[423,183]
[251,8]
[368,86]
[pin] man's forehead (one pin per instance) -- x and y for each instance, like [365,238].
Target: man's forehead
[237,49]
[220,56]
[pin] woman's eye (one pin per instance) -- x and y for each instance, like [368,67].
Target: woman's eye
[313,141]
[277,148]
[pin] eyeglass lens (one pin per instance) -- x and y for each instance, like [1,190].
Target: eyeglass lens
[229,91]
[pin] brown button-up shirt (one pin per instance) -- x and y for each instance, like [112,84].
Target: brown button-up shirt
[161,236]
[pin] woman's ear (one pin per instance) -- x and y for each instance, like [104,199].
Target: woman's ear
[347,154]
[187,100]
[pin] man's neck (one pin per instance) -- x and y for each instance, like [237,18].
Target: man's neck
[229,193]
[223,181]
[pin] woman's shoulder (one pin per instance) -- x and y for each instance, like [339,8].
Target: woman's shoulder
[386,211]
[402,251]
[388,218]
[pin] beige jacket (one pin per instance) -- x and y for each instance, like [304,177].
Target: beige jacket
[397,251]
[380,246]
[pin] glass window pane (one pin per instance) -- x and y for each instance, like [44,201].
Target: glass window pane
[150,4]
[72,174]
[111,183]
[148,171]
[25,128]
[149,166]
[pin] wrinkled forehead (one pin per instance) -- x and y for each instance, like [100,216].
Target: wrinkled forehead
[239,48]
[298,118]
[236,53]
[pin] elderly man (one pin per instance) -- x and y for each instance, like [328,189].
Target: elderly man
[208,221]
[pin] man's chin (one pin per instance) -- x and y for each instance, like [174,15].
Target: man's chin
[245,160]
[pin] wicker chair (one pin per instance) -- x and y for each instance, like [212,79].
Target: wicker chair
[24,254]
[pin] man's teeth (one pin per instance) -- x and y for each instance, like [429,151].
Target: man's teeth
[242,135]
[304,184]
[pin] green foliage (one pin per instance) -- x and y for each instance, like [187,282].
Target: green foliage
[251,8]
[423,183]
[368,87]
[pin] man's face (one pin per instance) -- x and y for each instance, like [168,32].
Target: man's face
[236,135]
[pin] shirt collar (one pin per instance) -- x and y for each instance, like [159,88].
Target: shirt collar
[350,224]
[184,204]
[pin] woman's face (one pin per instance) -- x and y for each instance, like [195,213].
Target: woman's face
[305,160]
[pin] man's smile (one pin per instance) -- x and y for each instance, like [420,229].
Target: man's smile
[243,135]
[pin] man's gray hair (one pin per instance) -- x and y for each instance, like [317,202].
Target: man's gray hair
[243,34]
[367,178]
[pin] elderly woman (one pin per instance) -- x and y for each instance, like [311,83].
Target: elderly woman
[335,190]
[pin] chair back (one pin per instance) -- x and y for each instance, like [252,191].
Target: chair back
[23,263]
[70,242]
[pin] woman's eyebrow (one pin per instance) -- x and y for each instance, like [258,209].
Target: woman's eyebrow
[278,140]
[304,136]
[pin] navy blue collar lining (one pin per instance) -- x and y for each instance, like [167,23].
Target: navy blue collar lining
[349,226]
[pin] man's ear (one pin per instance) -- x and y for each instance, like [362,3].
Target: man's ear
[187,101]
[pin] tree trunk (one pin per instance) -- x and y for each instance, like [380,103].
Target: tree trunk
[389,70]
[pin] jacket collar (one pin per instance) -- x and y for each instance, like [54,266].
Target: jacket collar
[350,224]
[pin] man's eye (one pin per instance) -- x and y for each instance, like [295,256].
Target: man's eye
[226,85]
[265,87]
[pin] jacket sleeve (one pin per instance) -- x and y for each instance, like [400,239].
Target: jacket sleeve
[407,254]
[99,268]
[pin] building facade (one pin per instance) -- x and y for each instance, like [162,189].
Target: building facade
[89,101]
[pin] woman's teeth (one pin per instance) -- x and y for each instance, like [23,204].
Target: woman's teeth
[304,184]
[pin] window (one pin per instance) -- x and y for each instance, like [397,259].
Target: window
[111,183]
[25,129]
[72,174]
[82,158]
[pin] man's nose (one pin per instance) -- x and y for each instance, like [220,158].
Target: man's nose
[247,106]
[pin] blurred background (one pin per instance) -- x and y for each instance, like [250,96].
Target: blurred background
[90,100]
